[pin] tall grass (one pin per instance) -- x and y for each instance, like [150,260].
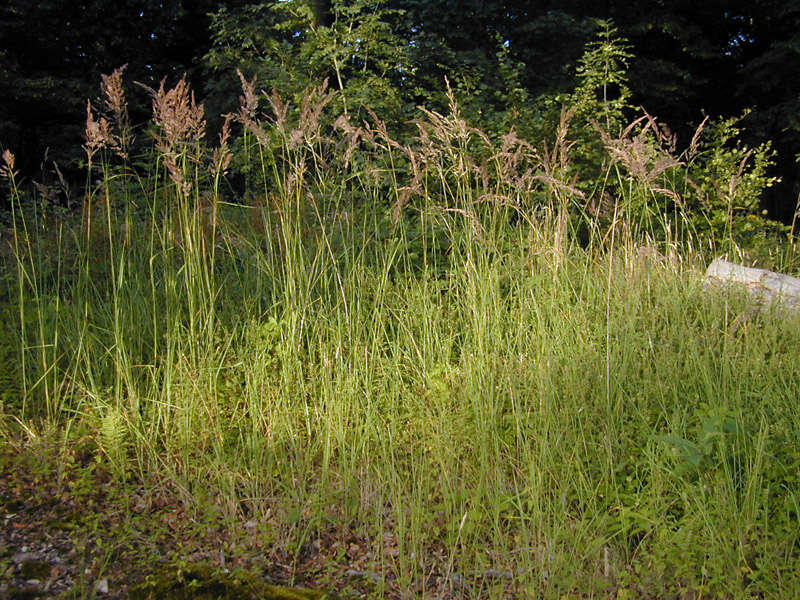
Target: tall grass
[409,341]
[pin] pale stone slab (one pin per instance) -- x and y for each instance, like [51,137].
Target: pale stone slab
[766,287]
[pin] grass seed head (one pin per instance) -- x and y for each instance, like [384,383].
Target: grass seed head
[314,102]
[181,123]
[7,169]
[248,109]
[117,105]
[280,109]
[98,133]
[178,115]
[645,155]
[222,155]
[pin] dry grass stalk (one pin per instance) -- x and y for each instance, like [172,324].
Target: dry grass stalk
[259,215]
[63,183]
[210,233]
[475,223]
[405,193]
[94,219]
[555,162]
[267,216]
[695,143]
[733,184]
[561,188]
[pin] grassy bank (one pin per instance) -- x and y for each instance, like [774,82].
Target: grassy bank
[442,347]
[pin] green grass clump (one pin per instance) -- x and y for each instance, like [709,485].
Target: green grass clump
[438,363]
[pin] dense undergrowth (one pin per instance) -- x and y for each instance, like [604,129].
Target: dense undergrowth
[452,342]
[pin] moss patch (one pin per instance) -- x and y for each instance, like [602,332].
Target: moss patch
[35,569]
[200,582]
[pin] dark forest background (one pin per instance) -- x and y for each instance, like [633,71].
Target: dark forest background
[506,60]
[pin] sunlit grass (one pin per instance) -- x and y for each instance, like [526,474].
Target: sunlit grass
[436,363]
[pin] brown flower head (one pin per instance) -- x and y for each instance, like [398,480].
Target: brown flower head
[181,123]
[117,106]
[7,169]
[178,115]
[98,133]
[248,107]
[222,156]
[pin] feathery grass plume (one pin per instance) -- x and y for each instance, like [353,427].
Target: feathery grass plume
[280,109]
[221,156]
[178,115]
[7,168]
[377,137]
[181,123]
[62,182]
[8,173]
[426,149]
[98,134]
[248,107]
[309,126]
[353,135]
[446,129]
[117,105]
[296,178]
[667,140]
[459,124]
[381,131]
[558,158]
[444,147]
[515,164]
[646,155]
[733,182]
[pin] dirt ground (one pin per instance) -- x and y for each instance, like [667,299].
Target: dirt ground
[70,529]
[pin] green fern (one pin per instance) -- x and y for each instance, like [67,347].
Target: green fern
[112,436]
